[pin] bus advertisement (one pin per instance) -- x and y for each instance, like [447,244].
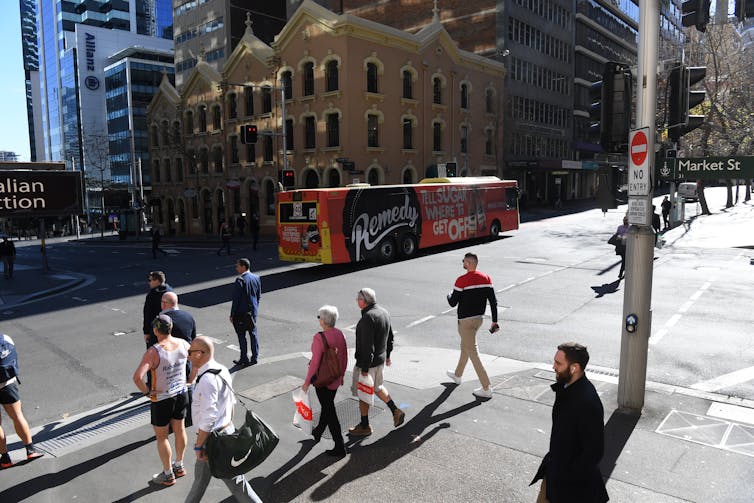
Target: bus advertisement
[352,224]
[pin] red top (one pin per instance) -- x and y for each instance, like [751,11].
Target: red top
[336,339]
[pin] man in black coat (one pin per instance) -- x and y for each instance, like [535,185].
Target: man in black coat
[153,304]
[570,471]
[184,325]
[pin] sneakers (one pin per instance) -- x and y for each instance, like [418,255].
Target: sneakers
[162,479]
[453,376]
[33,453]
[178,470]
[5,461]
[360,431]
[398,417]
[482,393]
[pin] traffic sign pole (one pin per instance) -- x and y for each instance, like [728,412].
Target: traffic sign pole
[637,299]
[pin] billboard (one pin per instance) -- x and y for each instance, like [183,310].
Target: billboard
[34,193]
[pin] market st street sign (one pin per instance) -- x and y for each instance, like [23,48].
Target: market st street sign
[706,168]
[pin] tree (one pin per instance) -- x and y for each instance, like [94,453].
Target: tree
[97,167]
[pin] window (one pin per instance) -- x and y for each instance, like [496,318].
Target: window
[489,102]
[437,137]
[488,142]
[266,100]
[248,98]
[464,139]
[408,134]
[268,148]
[191,156]
[437,91]
[287,80]
[373,139]
[189,122]
[178,169]
[333,179]
[232,106]
[331,76]
[464,96]
[234,150]
[289,134]
[204,160]
[310,133]
[202,119]
[269,196]
[308,79]
[216,117]
[373,177]
[165,133]
[408,176]
[251,152]
[176,132]
[168,171]
[372,78]
[333,130]
[217,157]
[155,137]
[156,173]
[408,85]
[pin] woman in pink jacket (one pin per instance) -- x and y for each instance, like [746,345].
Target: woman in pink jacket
[327,316]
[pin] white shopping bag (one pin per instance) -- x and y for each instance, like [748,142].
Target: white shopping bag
[365,388]
[303,415]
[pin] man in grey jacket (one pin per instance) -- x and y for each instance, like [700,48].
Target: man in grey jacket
[374,343]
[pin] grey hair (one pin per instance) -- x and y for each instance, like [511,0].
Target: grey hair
[328,315]
[368,295]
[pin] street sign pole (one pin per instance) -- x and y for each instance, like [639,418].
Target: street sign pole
[636,324]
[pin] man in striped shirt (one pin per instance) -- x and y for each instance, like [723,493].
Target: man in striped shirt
[471,293]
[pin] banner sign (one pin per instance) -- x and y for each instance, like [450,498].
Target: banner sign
[706,168]
[33,193]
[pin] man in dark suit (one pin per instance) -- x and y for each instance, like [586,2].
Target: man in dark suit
[153,304]
[184,325]
[247,290]
[570,470]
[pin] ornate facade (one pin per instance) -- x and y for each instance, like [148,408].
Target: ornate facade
[364,102]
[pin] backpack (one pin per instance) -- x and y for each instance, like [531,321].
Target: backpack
[329,366]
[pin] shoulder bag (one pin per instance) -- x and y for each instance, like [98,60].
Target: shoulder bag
[329,366]
[234,454]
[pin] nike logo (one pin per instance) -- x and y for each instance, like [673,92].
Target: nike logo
[235,463]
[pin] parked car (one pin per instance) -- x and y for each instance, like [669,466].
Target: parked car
[687,190]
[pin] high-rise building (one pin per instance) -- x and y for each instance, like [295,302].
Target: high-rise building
[212,29]
[31,69]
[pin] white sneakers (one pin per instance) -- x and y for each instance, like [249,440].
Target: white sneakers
[453,376]
[482,393]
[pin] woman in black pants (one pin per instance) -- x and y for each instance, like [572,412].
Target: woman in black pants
[327,316]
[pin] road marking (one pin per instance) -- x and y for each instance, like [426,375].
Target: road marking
[695,296]
[685,307]
[419,322]
[657,336]
[673,320]
[726,380]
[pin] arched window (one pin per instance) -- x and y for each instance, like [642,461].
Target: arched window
[437,91]
[488,142]
[308,75]
[310,132]
[373,177]
[333,178]
[437,137]
[202,119]
[287,80]
[489,101]
[373,132]
[165,133]
[248,98]
[269,196]
[408,85]
[289,134]
[408,176]
[216,117]
[464,96]
[464,139]
[204,160]
[266,100]
[331,76]
[155,137]
[178,169]
[217,158]
[176,132]
[372,78]
[232,106]
[268,148]
[333,130]
[311,181]
[156,171]
[189,122]
[408,134]
[168,171]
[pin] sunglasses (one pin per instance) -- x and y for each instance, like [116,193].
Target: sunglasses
[190,351]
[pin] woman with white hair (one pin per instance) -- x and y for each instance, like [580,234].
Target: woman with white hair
[327,316]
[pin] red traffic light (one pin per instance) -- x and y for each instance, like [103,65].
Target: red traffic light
[248,133]
[289,178]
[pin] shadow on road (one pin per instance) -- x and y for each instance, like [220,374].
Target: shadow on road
[618,430]
[606,288]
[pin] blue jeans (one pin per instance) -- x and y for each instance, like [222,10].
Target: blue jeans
[239,487]
[241,333]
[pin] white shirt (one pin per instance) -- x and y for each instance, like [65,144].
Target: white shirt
[12,379]
[212,405]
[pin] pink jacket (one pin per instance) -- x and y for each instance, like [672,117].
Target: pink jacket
[336,339]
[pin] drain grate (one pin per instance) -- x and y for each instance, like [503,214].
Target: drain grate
[709,431]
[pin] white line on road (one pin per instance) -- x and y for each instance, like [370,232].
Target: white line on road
[686,305]
[673,320]
[657,336]
[695,296]
[726,380]
[419,322]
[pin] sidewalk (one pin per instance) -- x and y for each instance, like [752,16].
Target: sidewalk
[451,448]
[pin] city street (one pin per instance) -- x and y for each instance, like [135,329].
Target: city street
[556,280]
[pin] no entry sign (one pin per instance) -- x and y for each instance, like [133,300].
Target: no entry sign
[639,179]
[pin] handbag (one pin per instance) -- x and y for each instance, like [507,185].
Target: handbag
[614,240]
[329,366]
[234,454]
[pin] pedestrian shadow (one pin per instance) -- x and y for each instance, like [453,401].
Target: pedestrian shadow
[36,485]
[618,430]
[606,288]
[366,460]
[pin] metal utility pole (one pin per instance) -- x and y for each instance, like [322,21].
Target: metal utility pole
[637,300]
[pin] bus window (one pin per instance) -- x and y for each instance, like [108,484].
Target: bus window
[511,198]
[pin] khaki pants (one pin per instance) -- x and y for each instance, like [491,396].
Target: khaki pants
[467,329]
[542,497]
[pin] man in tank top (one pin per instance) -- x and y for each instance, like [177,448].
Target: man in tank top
[166,361]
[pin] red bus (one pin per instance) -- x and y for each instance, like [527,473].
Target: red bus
[355,223]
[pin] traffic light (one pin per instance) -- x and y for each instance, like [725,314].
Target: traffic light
[450,169]
[610,110]
[744,9]
[682,99]
[288,178]
[696,13]
[248,133]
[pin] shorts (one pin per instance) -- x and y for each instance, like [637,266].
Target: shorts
[170,408]
[375,372]
[9,394]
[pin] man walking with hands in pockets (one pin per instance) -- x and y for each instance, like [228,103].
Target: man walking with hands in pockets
[471,293]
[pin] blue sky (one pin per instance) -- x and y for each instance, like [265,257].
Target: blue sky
[14,132]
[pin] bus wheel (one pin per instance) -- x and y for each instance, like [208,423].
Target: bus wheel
[408,245]
[495,229]
[387,250]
